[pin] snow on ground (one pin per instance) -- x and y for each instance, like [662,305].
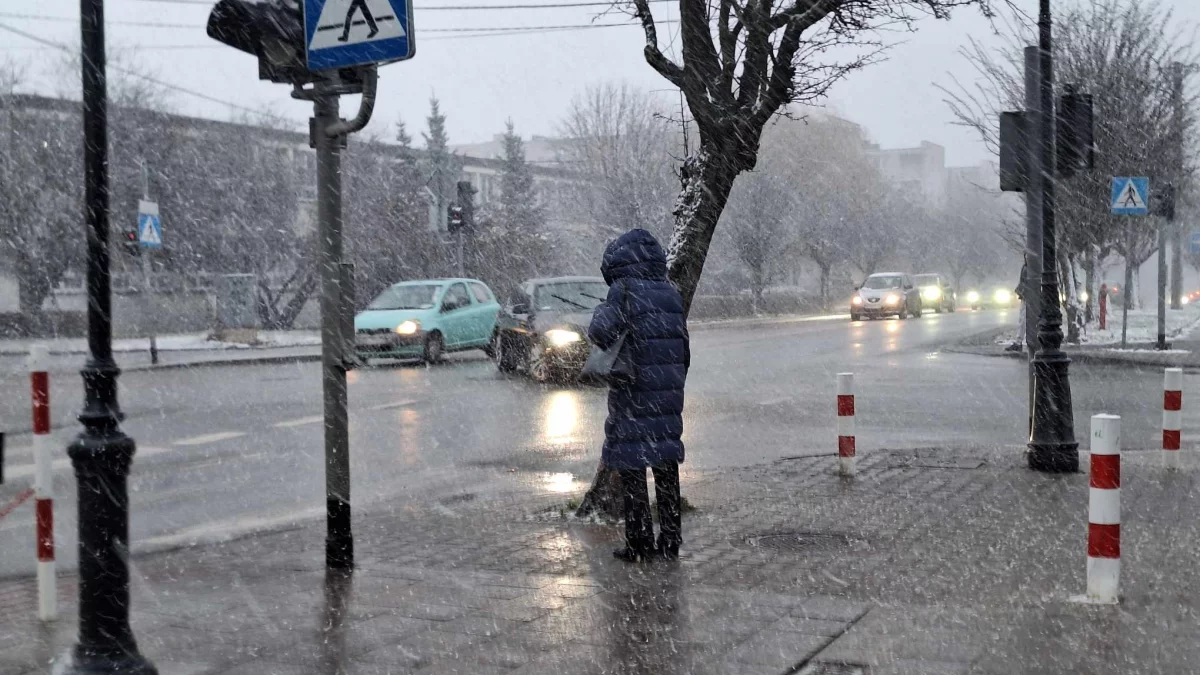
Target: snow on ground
[1143,327]
[170,343]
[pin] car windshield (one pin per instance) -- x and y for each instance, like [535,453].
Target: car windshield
[881,283]
[926,280]
[573,296]
[409,296]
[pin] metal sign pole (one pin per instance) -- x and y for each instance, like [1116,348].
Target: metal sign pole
[149,290]
[339,539]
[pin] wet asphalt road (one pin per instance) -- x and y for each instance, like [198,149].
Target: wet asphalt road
[224,450]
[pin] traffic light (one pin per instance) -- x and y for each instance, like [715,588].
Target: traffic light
[130,242]
[456,220]
[1014,151]
[272,30]
[1162,202]
[1076,136]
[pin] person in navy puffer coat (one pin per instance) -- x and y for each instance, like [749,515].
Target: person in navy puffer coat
[645,416]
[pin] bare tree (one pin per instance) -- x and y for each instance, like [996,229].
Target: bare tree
[742,63]
[756,223]
[618,140]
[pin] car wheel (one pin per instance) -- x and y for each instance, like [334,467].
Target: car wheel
[937,310]
[855,317]
[903,312]
[538,365]
[506,358]
[490,347]
[435,346]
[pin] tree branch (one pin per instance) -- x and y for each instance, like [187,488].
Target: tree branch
[654,56]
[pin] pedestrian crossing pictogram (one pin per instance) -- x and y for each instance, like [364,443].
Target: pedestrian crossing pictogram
[1130,196]
[351,22]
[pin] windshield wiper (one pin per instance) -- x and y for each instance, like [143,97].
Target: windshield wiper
[589,295]
[569,302]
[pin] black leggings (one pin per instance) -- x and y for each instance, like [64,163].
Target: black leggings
[639,528]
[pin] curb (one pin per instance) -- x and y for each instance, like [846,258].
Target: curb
[251,361]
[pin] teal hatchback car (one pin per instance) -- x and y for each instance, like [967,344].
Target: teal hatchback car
[426,319]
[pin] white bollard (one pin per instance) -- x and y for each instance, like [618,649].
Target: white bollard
[1104,511]
[1172,416]
[43,482]
[845,424]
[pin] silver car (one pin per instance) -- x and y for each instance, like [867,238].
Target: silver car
[887,294]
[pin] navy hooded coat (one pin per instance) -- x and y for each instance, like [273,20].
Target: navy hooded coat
[645,417]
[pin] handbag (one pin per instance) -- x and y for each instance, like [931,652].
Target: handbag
[613,365]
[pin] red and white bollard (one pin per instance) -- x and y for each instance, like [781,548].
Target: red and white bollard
[1104,511]
[1172,416]
[43,482]
[845,424]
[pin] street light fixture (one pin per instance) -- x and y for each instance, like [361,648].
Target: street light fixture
[102,454]
[1052,445]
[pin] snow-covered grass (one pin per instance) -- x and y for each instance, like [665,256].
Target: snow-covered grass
[171,343]
[1143,327]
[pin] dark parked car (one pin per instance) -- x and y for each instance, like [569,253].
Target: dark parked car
[542,328]
[936,292]
[883,295]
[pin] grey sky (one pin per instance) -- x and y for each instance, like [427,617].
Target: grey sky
[530,78]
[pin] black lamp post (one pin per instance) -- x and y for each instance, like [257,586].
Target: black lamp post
[1052,445]
[102,454]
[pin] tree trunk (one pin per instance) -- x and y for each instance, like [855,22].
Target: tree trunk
[1089,263]
[603,498]
[706,181]
[825,272]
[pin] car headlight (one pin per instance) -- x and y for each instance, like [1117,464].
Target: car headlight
[856,300]
[409,327]
[562,338]
[972,297]
[1003,297]
[892,299]
[932,293]
[1084,297]
[1184,300]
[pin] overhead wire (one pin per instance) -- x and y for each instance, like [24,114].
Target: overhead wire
[127,71]
[498,30]
[457,8]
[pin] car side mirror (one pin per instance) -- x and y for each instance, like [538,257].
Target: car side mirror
[858,288]
[520,308]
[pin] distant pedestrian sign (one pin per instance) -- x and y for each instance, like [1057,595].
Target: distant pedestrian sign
[341,33]
[149,225]
[1130,196]
[1194,243]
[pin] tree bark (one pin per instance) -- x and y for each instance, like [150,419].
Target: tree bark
[603,498]
[706,182]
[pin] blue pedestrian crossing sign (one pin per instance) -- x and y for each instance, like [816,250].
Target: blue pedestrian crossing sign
[341,33]
[1130,196]
[149,225]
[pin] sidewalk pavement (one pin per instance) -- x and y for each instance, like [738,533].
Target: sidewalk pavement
[930,562]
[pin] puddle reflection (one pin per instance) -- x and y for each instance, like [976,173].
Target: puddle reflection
[561,412]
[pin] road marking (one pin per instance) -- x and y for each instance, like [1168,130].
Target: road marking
[299,422]
[26,470]
[210,438]
[389,406]
[227,530]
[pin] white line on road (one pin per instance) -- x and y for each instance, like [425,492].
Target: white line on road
[209,438]
[226,530]
[314,419]
[389,406]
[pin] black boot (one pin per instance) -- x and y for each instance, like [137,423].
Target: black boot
[639,528]
[670,516]
[632,555]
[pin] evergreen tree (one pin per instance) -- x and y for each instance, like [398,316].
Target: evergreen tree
[510,244]
[519,207]
[441,166]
